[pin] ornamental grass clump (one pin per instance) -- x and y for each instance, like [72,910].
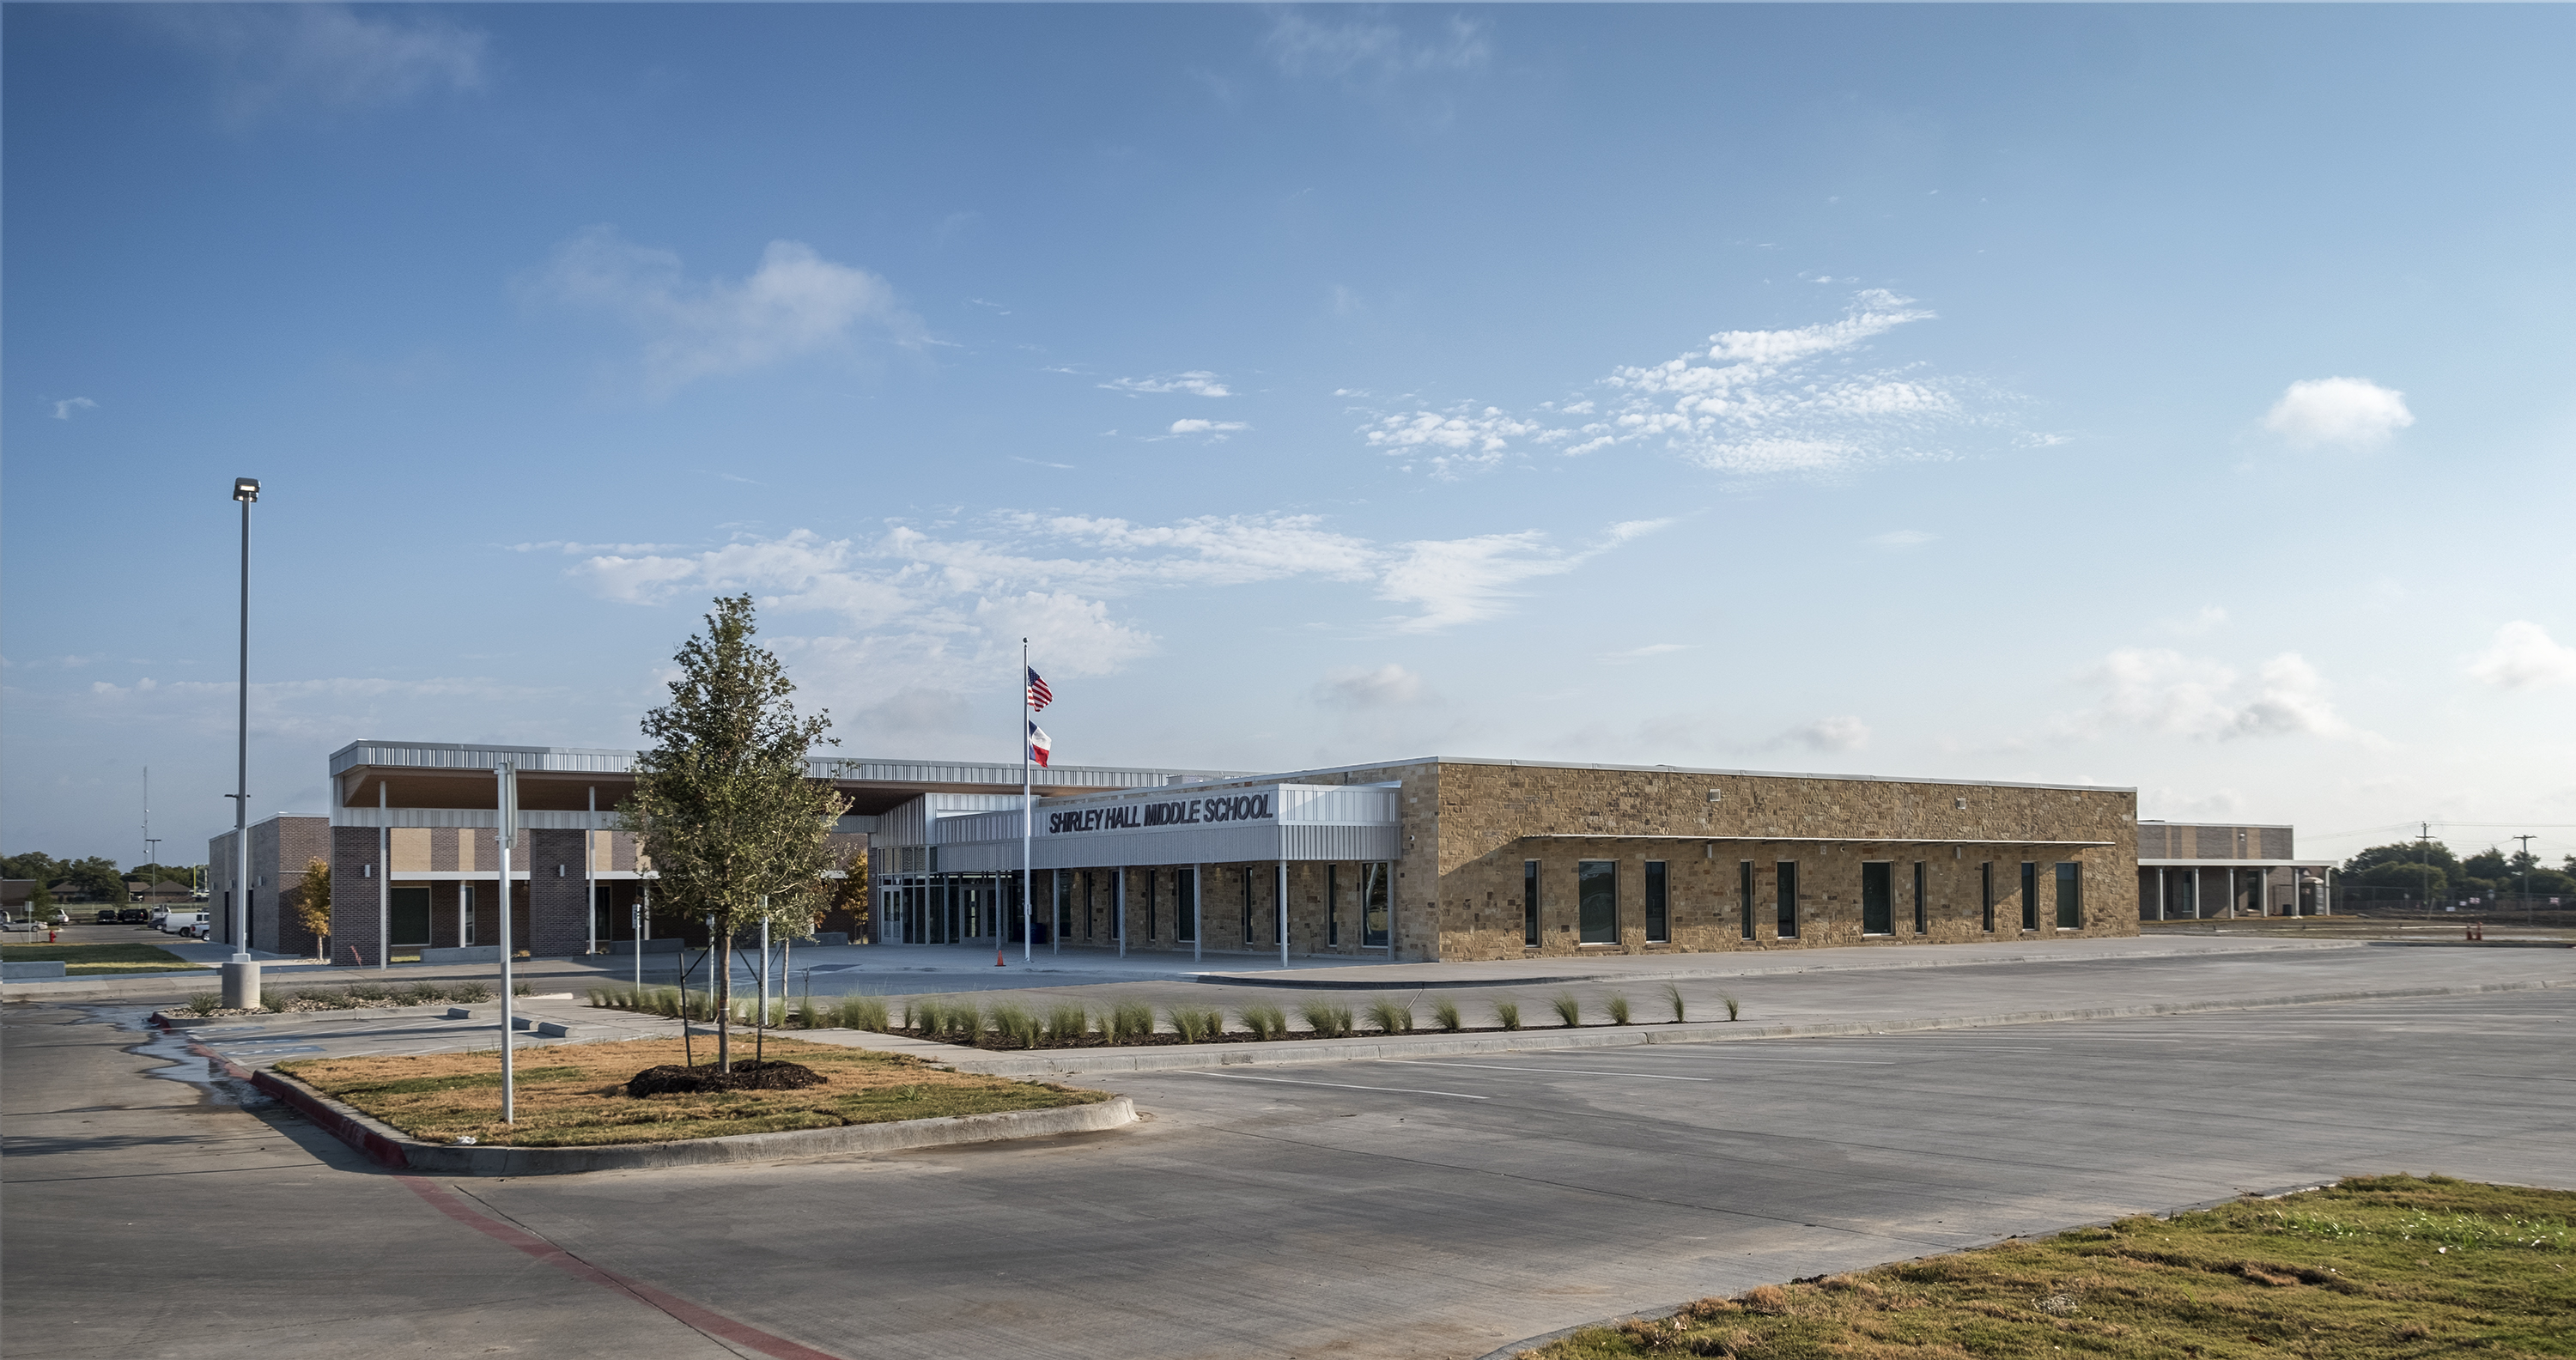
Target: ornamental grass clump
[1568,1009]
[1016,1024]
[1131,1022]
[205,1003]
[1195,1024]
[1618,1006]
[1673,998]
[1265,1022]
[863,1012]
[1391,1017]
[1067,1024]
[1445,1011]
[370,991]
[1327,1019]
[1734,1008]
[469,992]
[1507,1013]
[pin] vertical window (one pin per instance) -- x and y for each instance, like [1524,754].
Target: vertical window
[1744,893]
[1248,936]
[1596,900]
[1332,904]
[1922,923]
[1377,905]
[2029,895]
[1659,925]
[1185,905]
[1278,905]
[2070,896]
[1153,884]
[1787,907]
[1986,894]
[1529,903]
[1063,904]
[1877,908]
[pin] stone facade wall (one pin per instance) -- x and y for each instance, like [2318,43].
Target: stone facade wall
[1492,818]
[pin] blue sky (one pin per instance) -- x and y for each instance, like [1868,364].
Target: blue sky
[2169,397]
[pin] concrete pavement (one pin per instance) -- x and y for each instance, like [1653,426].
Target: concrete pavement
[1438,1207]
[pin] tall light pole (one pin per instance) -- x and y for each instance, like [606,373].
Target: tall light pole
[241,972]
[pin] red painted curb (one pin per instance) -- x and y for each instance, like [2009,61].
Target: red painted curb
[379,1149]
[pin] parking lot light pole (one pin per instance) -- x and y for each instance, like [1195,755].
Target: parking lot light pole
[505,773]
[241,971]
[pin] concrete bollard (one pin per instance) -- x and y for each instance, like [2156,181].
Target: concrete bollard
[241,986]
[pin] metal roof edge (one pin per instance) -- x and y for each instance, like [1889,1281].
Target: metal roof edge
[1693,770]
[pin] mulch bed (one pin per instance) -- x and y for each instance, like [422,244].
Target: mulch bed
[749,1075]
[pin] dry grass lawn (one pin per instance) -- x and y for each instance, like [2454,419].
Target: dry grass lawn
[120,957]
[574,1095]
[2382,1266]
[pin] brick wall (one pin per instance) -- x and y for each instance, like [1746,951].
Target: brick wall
[558,915]
[354,920]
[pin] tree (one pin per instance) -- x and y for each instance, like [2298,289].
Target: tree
[35,864]
[313,903]
[40,903]
[97,878]
[722,800]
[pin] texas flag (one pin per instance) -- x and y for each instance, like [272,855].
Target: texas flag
[1038,744]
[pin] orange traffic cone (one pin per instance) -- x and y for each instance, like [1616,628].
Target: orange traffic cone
[997,955]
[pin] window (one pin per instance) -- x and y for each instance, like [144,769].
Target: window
[1922,925]
[1248,937]
[1063,905]
[1529,903]
[2029,895]
[1787,908]
[1088,911]
[1153,885]
[1596,899]
[1659,925]
[1332,904]
[1377,905]
[407,910]
[2070,896]
[1876,907]
[1986,894]
[1185,905]
[1744,893]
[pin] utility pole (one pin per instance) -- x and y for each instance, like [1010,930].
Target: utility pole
[2424,846]
[2526,875]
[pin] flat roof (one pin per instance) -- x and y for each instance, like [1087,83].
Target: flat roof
[1685,770]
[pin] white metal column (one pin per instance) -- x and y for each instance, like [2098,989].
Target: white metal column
[1281,905]
[2160,893]
[589,885]
[384,878]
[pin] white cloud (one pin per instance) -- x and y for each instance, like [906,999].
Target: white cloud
[1371,49]
[796,303]
[2338,413]
[1197,382]
[63,409]
[1826,734]
[572,549]
[1215,427]
[1896,539]
[2210,618]
[2524,656]
[1768,402]
[1387,686]
[269,58]
[2162,691]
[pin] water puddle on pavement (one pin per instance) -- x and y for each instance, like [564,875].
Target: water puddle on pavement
[184,1062]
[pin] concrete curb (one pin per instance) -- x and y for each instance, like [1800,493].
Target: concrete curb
[1183,1057]
[390,1147]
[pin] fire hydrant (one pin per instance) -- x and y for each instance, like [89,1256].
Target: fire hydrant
[53,933]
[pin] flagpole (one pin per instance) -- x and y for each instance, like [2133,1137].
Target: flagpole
[1027,815]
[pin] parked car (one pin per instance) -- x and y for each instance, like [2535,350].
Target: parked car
[194,930]
[134,916]
[107,916]
[179,922]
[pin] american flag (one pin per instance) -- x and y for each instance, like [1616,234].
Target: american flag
[1039,695]
[1039,745]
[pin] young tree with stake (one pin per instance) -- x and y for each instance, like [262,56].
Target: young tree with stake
[722,801]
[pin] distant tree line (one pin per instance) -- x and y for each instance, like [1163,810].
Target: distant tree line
[2428,869]
[96,877]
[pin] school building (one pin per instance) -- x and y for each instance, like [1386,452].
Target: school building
[1432,858]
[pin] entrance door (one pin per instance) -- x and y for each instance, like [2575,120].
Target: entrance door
[1877,900]
[2070,896]
[408,913]
[1597,900]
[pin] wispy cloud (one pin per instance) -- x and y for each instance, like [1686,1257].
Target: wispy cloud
[2165,693]
[2349,413]
[1843,733]
[272,59]
[1369,48]
[570,548]
[1219,428]
[1755,402]
[795,304]
[63,409]
[1196,382]
[1357,688]
[2524,656]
